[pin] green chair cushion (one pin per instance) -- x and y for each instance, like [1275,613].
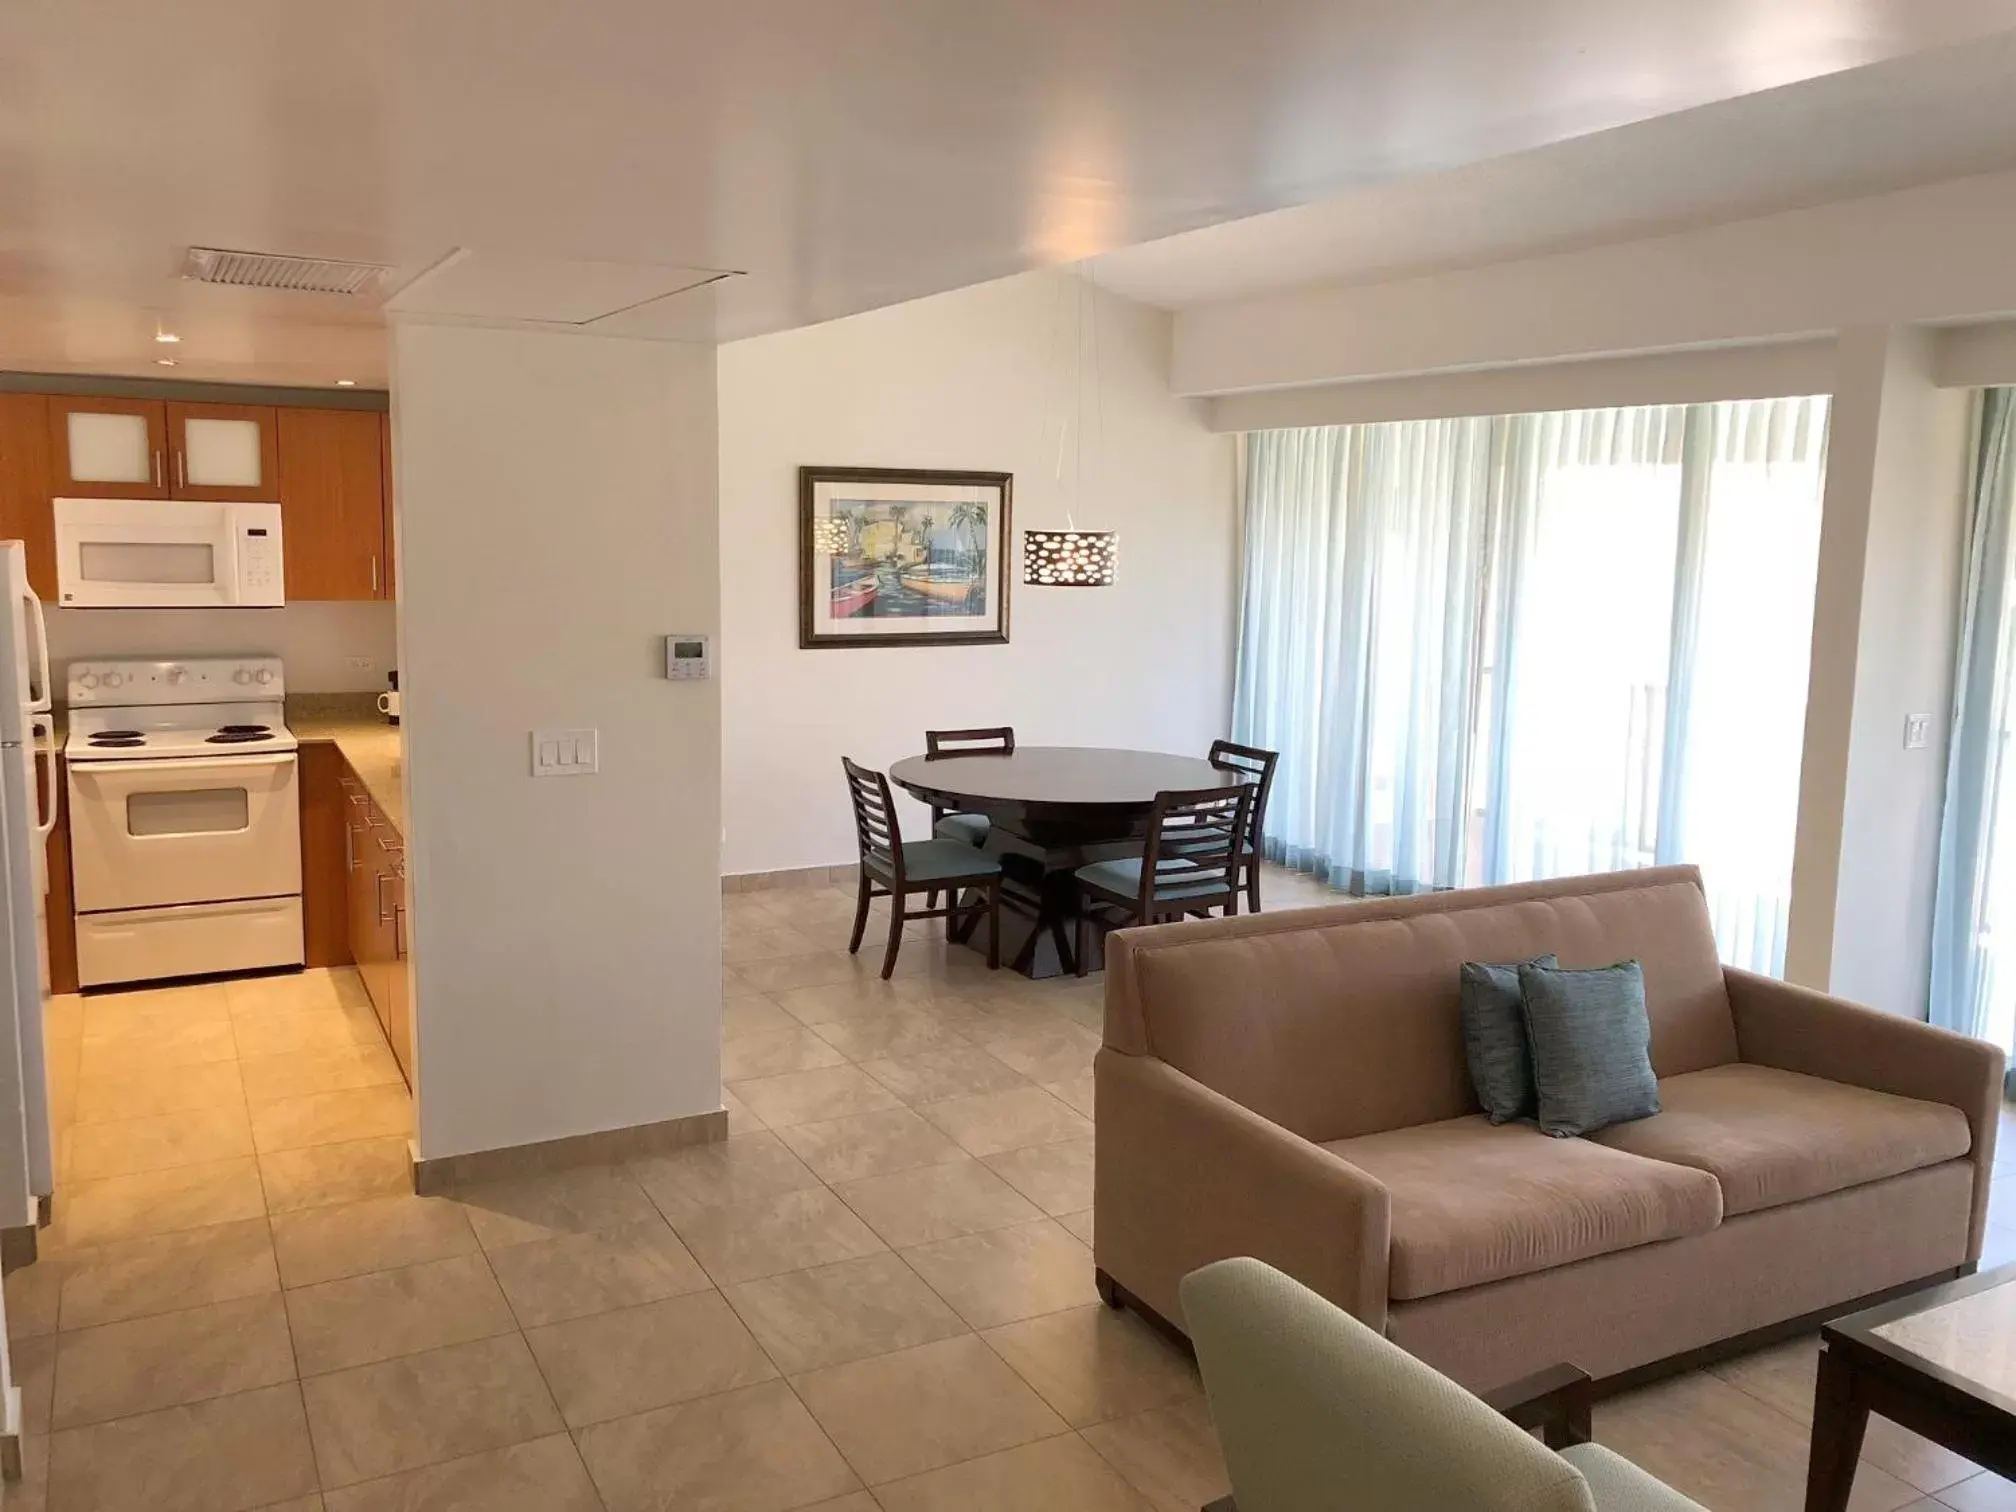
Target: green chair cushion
[1123,876]
[968,829]
[941,861]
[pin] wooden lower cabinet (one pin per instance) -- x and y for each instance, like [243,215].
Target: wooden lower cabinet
[374,868]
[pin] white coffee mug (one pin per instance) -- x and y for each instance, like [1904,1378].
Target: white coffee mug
[388,705]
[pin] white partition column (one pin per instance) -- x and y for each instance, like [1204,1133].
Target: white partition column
[557,518]
[1884,622]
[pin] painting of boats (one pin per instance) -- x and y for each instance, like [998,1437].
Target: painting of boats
[854,596]
[904,562]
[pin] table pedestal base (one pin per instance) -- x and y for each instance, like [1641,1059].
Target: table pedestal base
[1039,917]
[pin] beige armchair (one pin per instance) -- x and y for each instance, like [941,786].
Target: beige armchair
[1317,1413]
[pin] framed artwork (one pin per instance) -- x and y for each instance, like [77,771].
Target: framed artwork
[891,556]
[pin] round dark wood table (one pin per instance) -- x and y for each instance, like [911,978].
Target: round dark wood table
[1050,810]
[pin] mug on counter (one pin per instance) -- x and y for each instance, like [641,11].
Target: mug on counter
[388,705]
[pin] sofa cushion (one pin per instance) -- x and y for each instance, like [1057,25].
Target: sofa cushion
[1473,1202]
[1772,1137]
[1333,1022]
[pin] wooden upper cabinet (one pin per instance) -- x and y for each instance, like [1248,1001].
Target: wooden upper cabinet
[25,489]
[108,448]
[332,503]
[223,451]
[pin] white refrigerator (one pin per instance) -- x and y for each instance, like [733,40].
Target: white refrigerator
[27,815]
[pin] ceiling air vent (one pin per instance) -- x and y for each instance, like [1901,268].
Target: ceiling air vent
[273,270]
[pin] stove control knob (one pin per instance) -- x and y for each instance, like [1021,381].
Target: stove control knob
[263,676]
[88,680]
[242,675]
[177,674]
[115,679]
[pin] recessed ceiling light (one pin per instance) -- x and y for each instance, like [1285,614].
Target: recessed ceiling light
[346,383]
[164,362]
[166,338]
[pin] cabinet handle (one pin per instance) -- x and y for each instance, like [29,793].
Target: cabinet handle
[181,468]
[399,931]
[383,878]
[349,847]
[157,467]
[398,849]
[374,572]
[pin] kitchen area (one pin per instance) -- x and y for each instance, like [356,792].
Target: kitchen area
[211,824]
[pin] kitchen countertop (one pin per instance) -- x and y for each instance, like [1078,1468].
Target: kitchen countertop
[373,748]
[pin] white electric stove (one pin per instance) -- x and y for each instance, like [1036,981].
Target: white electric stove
[185,818]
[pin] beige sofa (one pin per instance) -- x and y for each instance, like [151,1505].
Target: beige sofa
[1292,1086]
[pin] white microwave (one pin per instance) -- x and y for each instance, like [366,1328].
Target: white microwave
[168,554]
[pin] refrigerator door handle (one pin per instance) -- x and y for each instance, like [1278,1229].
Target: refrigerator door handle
[39,692]
[45,746]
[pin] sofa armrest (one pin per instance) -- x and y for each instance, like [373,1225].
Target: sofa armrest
[1184,1176]
[1798,1029]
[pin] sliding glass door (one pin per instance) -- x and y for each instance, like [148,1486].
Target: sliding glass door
[1498,649]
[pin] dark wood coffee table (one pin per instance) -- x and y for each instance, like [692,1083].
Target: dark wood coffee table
[1941,1362]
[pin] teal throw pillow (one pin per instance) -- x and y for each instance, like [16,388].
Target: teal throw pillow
[1590,1039]
[1494,1037]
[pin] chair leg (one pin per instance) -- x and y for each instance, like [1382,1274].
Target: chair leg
[1084,954]
[994,926]
[861,900]
[895,934]
[1253,885]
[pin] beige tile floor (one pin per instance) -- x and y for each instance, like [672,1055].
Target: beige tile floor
[875,1294]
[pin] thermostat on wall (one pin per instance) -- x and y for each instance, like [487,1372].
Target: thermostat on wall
[688,658]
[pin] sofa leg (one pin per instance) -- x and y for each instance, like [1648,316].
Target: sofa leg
[1109,1290]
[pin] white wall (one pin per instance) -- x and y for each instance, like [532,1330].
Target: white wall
[1932,253]
[1883,644]
[317,641]
[981,379]
[557,514]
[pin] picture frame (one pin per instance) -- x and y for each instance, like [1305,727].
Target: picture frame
[903,556]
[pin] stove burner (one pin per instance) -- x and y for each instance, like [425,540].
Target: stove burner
[116,735]
[240,735]
[244,729]
[107,742]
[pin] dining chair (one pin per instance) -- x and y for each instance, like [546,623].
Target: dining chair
[972,829]
[1257,766]
[901,867]
[1189,865]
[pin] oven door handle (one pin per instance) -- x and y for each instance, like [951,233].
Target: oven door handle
[190,764]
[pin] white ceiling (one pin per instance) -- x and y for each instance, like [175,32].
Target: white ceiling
[843,153]
[1937,115]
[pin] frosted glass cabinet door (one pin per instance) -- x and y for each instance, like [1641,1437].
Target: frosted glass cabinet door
[224,451]
[109,448]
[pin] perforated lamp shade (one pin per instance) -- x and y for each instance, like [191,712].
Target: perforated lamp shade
[1069,558]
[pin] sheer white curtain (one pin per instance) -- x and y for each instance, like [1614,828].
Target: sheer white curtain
[1742,645]
[1580,707]
[1364,580]
[1493,650]
[1974,916]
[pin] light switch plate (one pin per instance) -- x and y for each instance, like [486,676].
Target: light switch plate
[1917,731]
[564,753]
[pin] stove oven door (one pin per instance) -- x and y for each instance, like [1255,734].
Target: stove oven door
[154,834]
